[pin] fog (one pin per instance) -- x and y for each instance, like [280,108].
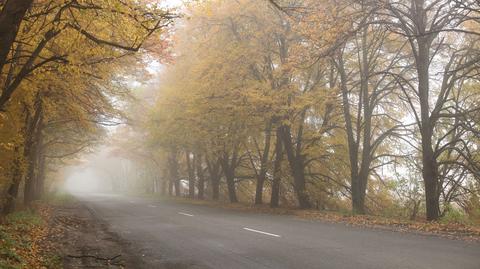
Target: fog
[84,180]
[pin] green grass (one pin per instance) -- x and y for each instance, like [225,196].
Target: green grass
[59,198]
[453,216]
[17,236]
[12,237]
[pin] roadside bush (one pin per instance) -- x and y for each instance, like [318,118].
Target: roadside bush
[453,215]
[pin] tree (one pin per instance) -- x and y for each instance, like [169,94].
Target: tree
[429,28]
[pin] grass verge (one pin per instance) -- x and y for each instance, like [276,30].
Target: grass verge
[24,241]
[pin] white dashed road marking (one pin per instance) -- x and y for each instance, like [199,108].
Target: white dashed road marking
[260,232]
[185,214]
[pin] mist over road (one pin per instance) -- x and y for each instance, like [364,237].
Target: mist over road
[173,235]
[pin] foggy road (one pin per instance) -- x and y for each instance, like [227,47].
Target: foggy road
[173,235]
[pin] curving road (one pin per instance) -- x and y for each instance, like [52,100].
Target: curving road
[172,235]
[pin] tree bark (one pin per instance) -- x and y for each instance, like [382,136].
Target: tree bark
[32,140]
[173,173]
[228,167]
[170,187]
[215,188]
[201,177]
[297,166]
[191,176]
[230,178]
[359,168]
[41,173]
[11,17]
[214,172]
[263,165]
[277,165]
[12,192]
[430,165]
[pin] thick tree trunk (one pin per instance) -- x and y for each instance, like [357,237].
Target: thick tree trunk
[214,172]
[228,166]
[215,188]
[11,17]
[359,194]
[297,166]
[263,165]
[32,144]
[259,190]
[430,166]
[430,178]
[277,165]
[230,178]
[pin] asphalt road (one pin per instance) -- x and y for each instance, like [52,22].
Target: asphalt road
[173,235]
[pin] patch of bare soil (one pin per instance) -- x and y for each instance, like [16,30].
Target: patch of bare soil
[85,241]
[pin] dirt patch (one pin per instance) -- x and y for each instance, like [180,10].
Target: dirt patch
[84,241]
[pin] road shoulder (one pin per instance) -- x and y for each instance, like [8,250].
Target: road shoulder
[84,241]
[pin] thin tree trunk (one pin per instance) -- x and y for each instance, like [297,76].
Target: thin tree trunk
[201,177]
[173,171]
[170,187]
[40,189]
[191,176]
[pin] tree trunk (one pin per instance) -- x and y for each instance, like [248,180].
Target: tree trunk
[11,17]
[173,171]
[191,176]
[33,137]
[230,178]
[296,161]
[12,192]
[277,165]
[430,166]
[29,189]
[228,166]
[170,187]
[201,177]
[215,188]
[263,165]
[214,172]
[177,188]
[40,188]
[163,187]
